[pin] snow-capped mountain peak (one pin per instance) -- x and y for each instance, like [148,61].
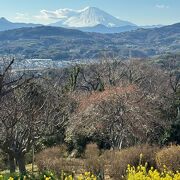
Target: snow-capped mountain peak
[89,17]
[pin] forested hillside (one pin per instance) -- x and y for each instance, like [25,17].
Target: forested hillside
[67,44]
[116,105]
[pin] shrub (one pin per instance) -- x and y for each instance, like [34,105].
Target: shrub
[93,161]
[53,152]
[118,160]
[51,158]
[169,156]
[92,150]
[55,160]
[80,142]
[58,165]
[95,166]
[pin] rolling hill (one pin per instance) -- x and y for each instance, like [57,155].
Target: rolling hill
[69,44]
[7,25]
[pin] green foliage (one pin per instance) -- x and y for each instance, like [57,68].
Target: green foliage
[100,86]
[17,176]
[47,175]
[173,133]
[3,160]
[80,143]
[73,78]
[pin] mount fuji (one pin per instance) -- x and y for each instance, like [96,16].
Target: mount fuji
[90,17]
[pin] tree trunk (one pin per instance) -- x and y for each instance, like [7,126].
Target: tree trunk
[21,163]
[12,166]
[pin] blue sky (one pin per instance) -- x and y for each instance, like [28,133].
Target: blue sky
[140,12]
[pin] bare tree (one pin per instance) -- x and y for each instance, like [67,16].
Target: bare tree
[9,80]
[27,115]
[121,115]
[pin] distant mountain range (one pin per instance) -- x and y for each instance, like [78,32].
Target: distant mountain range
[104,29]
[7,25]
[68,44]
[90,19]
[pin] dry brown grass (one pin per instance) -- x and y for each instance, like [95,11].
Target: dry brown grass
[93,161]
[112,163]
[55,159]
[53,152]
[118,160]
[92,150]
[170,157]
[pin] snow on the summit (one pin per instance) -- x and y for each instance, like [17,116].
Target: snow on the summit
[89,17]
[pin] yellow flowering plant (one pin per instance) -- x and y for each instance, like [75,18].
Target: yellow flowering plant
[141,173]
[14,176]
[87,176]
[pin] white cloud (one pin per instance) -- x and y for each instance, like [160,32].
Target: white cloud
[162,6]
[22,17]
[47,17]
[57,14]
